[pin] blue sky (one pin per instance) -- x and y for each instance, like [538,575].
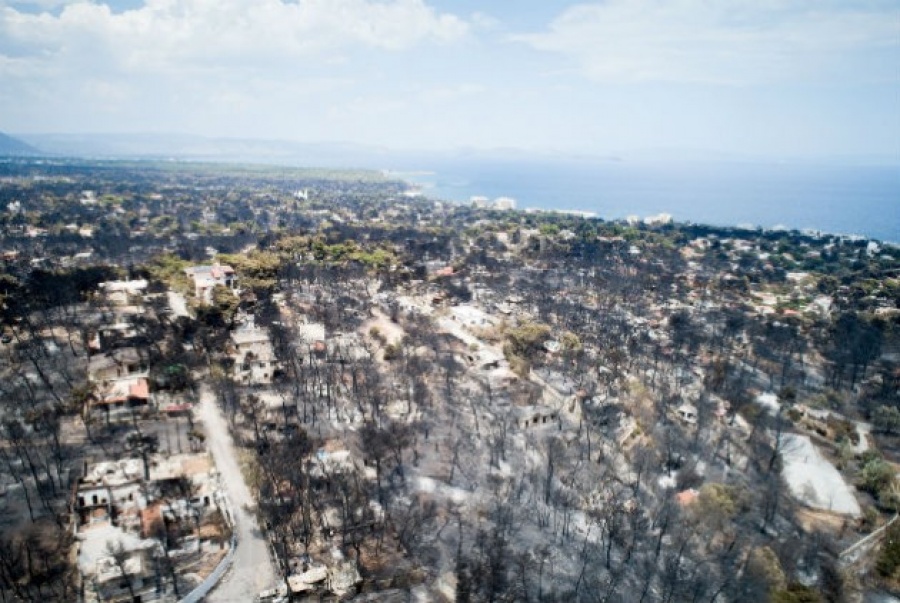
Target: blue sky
[776,78]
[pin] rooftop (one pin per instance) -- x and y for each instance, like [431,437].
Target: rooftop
[214,271]
[250,336]
[135,388]
[188,465]
[126,286]
[113,473]
[93,554]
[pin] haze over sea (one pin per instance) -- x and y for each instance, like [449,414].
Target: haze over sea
[835,198]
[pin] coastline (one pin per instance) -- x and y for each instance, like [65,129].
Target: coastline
[853,202]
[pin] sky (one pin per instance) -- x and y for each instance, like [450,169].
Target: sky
[773,78]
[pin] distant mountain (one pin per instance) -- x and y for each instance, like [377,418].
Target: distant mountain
[189,147]
[282,152]
[200,148]
[14,146]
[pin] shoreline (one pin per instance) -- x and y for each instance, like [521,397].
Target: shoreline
[804,209]
[420,190]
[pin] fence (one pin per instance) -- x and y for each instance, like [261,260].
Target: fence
[204,588]
[870,538]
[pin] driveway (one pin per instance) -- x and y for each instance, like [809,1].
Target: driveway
[178,304]
[251,570]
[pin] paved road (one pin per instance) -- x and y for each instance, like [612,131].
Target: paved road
[252,569]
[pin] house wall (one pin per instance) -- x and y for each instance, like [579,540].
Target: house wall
[117,495]
[89,497]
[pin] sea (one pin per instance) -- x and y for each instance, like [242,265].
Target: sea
[844,199]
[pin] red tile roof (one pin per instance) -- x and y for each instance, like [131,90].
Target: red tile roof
[140,389]
[687,497]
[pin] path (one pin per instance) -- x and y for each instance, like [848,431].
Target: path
[864,430]
[252,570]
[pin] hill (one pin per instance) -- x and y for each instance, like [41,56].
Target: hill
[14,146]
[191,147]
[200,148]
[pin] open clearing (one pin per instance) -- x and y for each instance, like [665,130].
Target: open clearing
[813,480]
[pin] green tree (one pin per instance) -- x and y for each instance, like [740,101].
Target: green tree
[718,504]
[221,312]
[877,477]
[886,419]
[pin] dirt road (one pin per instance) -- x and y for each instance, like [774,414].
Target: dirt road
[252,569]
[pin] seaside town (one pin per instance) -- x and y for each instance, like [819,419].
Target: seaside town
[247,383]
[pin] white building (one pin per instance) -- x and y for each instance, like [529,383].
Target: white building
[118,292]
[132,577]
[504,203]
[205,278]
[254,357]
[658,220]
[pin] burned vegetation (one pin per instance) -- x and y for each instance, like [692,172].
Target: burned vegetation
[432,400]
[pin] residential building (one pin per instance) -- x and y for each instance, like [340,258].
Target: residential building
[207,277]
[253,355]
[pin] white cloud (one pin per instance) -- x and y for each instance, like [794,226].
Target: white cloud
[39,4]
[485,21]
[190,35]
[713,41]
[451,93]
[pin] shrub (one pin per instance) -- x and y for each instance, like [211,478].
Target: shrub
[720,503]
[526,339]
[797,593]
[764,567]
[842,429]
[392,351]
[376,334]
[886,419]
[517,364]
[889,556]
[877,478]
